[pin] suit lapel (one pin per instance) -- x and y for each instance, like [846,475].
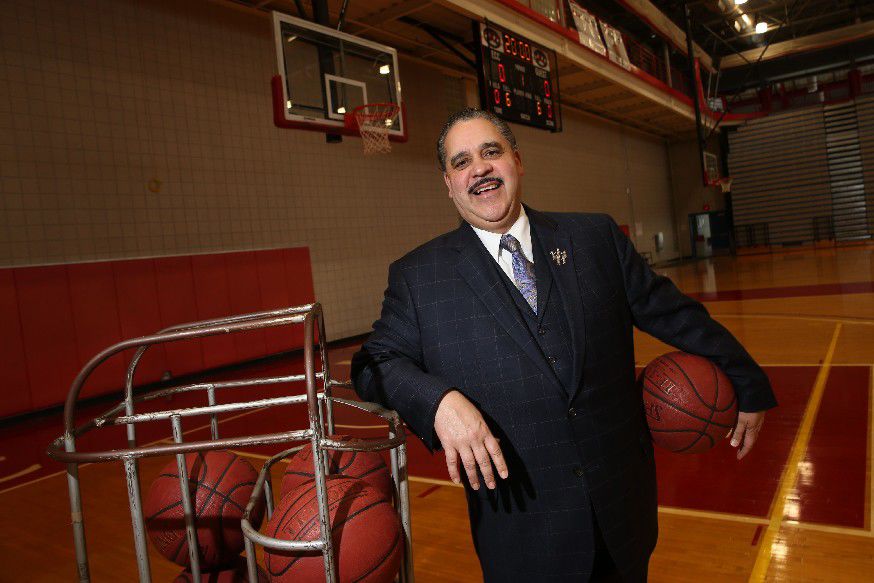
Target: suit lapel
[552,237]
[477,268]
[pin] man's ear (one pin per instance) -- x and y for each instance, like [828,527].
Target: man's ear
[448,184]
[519,162]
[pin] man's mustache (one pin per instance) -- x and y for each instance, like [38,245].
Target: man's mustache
[483,181]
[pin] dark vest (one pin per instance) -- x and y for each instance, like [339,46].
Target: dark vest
[549,326]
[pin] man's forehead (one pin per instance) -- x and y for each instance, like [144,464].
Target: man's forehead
[473,134]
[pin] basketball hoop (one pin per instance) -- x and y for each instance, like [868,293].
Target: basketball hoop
[725,185]
[373,121]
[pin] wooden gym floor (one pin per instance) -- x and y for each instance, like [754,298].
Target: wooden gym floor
[798,508]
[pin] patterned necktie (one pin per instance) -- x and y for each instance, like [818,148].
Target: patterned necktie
[523,270]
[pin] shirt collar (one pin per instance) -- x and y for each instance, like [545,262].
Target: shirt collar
[521,229]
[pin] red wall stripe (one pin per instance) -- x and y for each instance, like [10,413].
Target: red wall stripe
[94,308]
[138,312]
[211,293]
[16,385]
[244,296]
[48,332]
[177,304]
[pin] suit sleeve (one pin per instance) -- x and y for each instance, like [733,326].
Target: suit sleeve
[660,309]
[389,369]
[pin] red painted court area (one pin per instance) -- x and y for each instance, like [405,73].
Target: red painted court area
[831,486]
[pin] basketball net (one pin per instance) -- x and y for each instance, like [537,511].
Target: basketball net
[725,185]
[374,120]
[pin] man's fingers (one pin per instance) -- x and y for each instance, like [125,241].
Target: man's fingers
[738,433]
[485,465]
[452,465]
[469,462]
[497,456]
[750,436]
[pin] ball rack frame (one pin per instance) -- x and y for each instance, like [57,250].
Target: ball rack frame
[319,401]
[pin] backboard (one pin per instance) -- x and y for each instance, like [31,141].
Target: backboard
[711,169]
[325,74]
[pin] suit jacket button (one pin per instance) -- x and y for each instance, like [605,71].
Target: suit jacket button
[551,360]
[578,471]
[571,413]
[542,330]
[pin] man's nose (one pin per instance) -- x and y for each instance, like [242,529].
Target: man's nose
[481,167]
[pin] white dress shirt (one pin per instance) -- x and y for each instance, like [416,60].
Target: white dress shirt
[521,229]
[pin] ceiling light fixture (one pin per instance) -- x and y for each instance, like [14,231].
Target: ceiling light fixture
[761,27]
[739,2]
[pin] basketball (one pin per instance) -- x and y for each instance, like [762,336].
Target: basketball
[220,484]
[367,465]
[690,404]
[367,535]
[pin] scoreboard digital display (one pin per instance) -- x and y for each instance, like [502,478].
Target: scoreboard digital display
[518,79]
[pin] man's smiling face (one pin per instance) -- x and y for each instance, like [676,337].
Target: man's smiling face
[483,175]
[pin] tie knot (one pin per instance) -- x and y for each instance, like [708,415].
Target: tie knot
[510,243]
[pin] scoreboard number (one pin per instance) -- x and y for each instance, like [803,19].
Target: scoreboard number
[518,79]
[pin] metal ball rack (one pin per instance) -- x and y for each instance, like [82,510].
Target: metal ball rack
[318,399]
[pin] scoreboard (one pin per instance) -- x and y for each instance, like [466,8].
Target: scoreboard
[518,79]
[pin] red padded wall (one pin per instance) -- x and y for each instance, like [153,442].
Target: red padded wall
[244,295]
[48,332]
[211,293]
[178,304]
[138,313]
[53,319]
[95,317]
[16,386]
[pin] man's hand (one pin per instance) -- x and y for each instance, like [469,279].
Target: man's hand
[746,431]
[464,433]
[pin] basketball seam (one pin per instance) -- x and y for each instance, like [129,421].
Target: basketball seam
[681,409]
[199,511]
[716,399]
[334,527]
[309,526]
[691,445]
[378,563]
[689,380]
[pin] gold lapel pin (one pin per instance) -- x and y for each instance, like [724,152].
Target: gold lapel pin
[559,256]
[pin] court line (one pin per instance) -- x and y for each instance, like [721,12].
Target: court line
[790,471]
[23,472]
[85,465]
[834,319]
[746,518]
[843,530]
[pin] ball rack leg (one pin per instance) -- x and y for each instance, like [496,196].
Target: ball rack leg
[136,514]
[187,506]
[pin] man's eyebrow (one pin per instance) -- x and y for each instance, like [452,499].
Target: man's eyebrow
[485,145]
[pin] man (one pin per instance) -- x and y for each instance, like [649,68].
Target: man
[509,343]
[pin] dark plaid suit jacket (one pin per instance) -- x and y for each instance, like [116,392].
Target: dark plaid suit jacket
[448,321]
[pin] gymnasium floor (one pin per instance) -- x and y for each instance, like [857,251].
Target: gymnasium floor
[798,508]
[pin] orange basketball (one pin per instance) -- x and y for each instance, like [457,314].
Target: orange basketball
[367,535]
[690,403]
[367,465]
[220,484]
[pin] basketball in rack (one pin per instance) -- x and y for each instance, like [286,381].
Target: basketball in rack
[373,121]
[132,412]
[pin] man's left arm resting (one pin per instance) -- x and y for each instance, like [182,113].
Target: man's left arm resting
[662,310]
